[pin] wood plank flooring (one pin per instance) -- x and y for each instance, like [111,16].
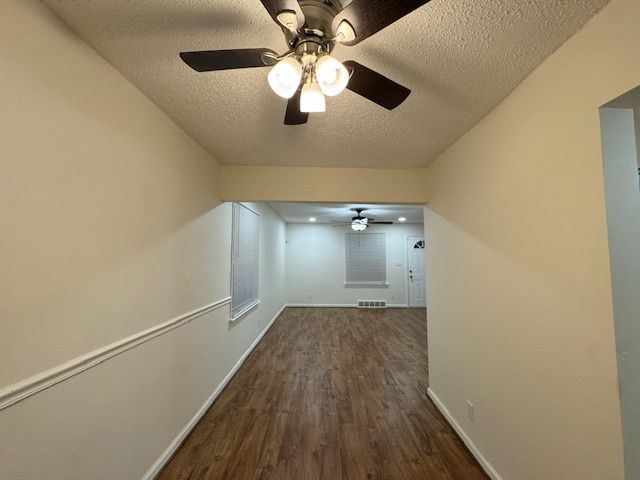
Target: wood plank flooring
[329,393]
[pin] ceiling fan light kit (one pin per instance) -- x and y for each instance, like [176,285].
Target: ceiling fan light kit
[360,223]
[307,72]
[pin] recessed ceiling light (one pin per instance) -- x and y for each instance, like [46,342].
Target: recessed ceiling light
[402,219]
[312,219]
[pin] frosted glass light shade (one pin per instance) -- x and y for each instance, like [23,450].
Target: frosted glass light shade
[312,99]
[359,227]
[285,77]
[332,76]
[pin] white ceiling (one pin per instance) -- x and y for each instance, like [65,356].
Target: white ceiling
[341,212]
[459,57]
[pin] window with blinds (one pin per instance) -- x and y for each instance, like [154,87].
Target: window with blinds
[245,248]
[366,258]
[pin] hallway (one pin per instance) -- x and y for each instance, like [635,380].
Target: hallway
[329,393]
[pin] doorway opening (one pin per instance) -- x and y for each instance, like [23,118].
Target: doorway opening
[348,255]
[620,125]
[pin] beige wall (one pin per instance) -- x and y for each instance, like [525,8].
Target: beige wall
[111,224]
[519,293]
[306,184]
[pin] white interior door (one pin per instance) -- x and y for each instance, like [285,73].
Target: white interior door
[415,272]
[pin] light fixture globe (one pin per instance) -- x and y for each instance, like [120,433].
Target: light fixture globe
[359,223]
[332,76]
[312,99]
[358,227]
[285,77]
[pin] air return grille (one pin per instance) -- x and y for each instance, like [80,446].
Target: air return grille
[372,304]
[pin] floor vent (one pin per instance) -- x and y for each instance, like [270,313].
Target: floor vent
[372,304]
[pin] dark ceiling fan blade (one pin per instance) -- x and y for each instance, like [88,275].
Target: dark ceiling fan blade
[380,223]
[274,7]
[211,60]
[375,87]
[294,116]
[370,16]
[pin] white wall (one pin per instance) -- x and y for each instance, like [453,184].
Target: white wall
[636,117]
[316,265]
[623,219]
[518,289]
[111,224]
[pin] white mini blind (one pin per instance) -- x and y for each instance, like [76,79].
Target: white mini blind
[245,249]
[366,258]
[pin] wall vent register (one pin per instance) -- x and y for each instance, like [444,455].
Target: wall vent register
[372,304]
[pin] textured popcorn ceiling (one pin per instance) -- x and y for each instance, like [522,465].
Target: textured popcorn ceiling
[459,57]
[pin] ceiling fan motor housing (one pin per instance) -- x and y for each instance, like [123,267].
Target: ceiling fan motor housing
[317,29]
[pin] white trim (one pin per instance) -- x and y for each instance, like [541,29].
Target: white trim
[244,311]
[184,433]
[339,305]
[24,389]
[484,463]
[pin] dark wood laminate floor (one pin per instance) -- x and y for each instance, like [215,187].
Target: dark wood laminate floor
[329,393]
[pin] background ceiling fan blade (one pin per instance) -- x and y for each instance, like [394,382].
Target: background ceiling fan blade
[370,16]
[375,87]
[294,116]
[276,6]
[380,223]
[211,60]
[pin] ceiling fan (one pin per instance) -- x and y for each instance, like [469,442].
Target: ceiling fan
[360,222]
[306,72]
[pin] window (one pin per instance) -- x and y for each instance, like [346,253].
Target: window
[366,258]
[245,247]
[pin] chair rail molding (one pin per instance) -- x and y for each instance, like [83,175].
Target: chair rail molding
[24,389]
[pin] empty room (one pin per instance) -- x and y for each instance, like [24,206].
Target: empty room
[319,240]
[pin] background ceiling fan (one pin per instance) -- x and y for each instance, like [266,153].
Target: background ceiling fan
[307,72]
[360,222]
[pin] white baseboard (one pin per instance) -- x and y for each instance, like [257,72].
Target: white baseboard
[339,305]
[175,444]
[484,463]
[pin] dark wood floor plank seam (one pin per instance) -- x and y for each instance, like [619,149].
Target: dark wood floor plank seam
[329,394]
